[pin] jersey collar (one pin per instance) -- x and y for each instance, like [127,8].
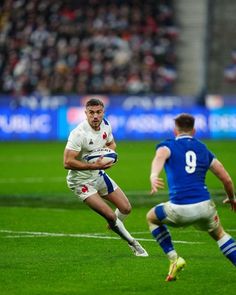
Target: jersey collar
[183,136]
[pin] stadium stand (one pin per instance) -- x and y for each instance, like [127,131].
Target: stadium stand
[230,70]
[221,47]
[191,18]
[87,46]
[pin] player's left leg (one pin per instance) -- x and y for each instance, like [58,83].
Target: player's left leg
[96,203]
[212,224]
[110,191]
[161,234]
[118,198]
[225,242]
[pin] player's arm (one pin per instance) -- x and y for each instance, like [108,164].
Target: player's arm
[71,162]
[111,145]
[220,172]
[162,154]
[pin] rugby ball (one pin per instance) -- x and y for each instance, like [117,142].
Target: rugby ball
[107,154]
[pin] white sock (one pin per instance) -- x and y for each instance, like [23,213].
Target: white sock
[124,233]
[172,255]
[120,215]
[223,240]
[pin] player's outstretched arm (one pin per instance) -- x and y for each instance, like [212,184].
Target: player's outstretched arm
[218,169]
[156,183]
[157,165]
[232,203]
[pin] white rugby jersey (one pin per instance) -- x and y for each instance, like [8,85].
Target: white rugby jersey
[85,139]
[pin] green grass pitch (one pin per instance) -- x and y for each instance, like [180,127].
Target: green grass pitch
[50,243]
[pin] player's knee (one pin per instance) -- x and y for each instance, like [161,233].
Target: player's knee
[126,210]
[111,217]
[149,216]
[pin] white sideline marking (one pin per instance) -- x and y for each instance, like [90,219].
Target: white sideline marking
[29,234]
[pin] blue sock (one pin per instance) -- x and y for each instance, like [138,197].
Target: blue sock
[162,236]
[228,247]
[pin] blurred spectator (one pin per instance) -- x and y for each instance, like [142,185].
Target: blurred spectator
[92,46]
[230,70]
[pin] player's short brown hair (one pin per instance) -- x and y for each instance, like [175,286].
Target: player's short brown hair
[94,102]
[184,122]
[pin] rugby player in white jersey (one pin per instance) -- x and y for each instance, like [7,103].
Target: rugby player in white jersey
[186,161]
[89,181]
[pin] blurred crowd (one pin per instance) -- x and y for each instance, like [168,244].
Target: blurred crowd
[87,46]
[230,70]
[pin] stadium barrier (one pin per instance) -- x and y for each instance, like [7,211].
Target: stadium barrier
[132,117]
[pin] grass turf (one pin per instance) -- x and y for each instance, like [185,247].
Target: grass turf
[65,262]
[34,199]
[32,172]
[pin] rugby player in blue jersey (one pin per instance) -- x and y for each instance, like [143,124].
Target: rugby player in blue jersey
[186,161]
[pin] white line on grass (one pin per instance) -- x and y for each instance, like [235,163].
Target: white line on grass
[29,234]
[183,231]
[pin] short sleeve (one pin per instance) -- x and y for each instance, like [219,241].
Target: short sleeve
[74,141]
[163,144]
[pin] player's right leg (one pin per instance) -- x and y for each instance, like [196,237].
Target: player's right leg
[161,234]
[175,268]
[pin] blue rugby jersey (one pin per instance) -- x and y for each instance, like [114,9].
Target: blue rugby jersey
[186,169]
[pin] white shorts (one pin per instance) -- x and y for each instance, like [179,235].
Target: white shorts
[202,215]
[103,185]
